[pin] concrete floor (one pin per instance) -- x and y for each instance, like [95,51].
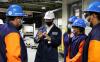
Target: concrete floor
[32,52]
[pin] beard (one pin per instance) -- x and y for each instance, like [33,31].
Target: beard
[91,25]
[89,22]
[49,23]
[18,28]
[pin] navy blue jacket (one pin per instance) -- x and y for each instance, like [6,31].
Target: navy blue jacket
[48,52]
[76,40]
[66,45]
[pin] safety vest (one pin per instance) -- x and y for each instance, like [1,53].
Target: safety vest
[92,46]
[75,44]
[4,31]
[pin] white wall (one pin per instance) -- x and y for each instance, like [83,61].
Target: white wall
[3,0]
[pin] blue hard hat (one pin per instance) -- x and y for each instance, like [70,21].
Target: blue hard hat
[93,7]
[15,10]
[79,23]
[72,19]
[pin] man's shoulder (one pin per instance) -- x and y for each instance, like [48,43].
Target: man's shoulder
[96,33]
[5,28]
[56,28]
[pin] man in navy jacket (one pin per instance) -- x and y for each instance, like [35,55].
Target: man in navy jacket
[49,38]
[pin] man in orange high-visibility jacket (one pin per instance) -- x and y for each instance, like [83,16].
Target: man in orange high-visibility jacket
[12,47]
[91,51]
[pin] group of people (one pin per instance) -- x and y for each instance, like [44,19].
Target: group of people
[78,46]
[12,47]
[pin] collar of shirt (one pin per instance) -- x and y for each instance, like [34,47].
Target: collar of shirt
[49,28]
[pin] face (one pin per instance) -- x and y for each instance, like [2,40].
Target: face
[48,22]
[18,21]
[75,31]
[69,26]
[90,19]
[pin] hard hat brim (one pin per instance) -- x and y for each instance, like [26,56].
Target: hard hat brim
[23,15]
[91,11]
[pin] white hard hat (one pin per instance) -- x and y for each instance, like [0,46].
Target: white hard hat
[49,15]
[1,21]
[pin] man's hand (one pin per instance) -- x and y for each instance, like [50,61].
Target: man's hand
[39,34]
[48,37]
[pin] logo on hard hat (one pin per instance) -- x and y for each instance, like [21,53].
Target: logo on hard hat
[10,12]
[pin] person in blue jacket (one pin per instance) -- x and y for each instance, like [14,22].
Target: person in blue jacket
[49,38]
[67,37]
[77,41]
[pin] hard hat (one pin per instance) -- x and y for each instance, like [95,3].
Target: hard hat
[49,15]
[1,21]
[93,7]
[15,10]
[79,23]
[72,19]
